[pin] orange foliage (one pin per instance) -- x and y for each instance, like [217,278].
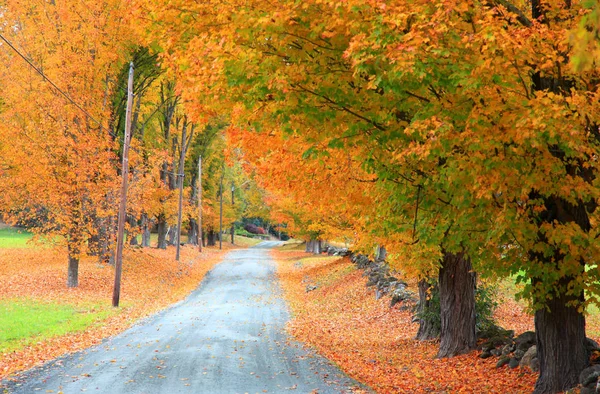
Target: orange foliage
[152,280]
[374,343]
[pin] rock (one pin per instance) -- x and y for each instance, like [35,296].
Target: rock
[487,346]
[373,279]
[591,345]
[513,363]
[500,341]
[507,349]
[586,390]
[518,354]
[525,340]
[496,352]
[400,295]
[529,355]
[535,365]
[495,331]
[485,354]
[589,376]
[311,288]
[502,361]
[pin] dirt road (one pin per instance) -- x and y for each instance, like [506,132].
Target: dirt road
[226,337]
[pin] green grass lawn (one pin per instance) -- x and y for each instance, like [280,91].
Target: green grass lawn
[11,237]
[26,321]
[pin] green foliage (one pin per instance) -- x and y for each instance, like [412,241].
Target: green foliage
[485,305]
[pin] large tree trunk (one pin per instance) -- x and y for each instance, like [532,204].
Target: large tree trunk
[309,246]
[560,329]
[162,232]
[73,271]
[193,232]
[457,305]
[173,235]
[106,241]
[145,231]
[133,223]
[428,329]
[561,350]
[211,238]
[314,246]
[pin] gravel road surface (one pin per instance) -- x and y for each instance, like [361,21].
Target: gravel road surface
[226,337]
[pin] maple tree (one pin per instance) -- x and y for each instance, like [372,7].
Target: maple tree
[57,156]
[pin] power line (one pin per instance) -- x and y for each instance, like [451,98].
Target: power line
[65,95]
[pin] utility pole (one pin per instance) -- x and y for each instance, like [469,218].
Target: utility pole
[221,214]
[122,206]
[180,181]
[232,204]
[200,204]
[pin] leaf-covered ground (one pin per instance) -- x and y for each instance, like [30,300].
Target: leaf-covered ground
[152,280]
[373,343]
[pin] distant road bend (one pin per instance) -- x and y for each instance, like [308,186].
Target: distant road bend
[226,337]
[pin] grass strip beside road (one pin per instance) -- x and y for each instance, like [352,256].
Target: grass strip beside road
[46,319]
[25,322]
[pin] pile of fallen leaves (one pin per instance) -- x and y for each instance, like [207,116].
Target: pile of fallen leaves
[151,280]
[374,343]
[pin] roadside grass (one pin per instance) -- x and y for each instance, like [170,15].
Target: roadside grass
[41,319]
[11,237]
[240,240]
[293,245]
[26,321]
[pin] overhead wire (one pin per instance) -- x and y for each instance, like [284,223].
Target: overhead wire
[41,73]
[62,92]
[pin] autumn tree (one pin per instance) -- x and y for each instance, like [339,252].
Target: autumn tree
[467,114]
[58,164]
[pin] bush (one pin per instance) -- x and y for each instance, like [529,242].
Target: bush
[485,305]
[254,229]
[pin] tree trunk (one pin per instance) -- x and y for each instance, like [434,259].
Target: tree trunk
[318,247]
[133,223]
[561,350]
[457,305]
[314,246]
[162,232]
[193,232]
[560,329]
[428,329]
[173,235]
[309,246]
[145,231]
[73,272]
[211,238]
[106,250]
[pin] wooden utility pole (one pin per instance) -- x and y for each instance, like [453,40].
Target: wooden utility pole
[180,180]
[232,204]
[200,204]
[122,206]
[221,214]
